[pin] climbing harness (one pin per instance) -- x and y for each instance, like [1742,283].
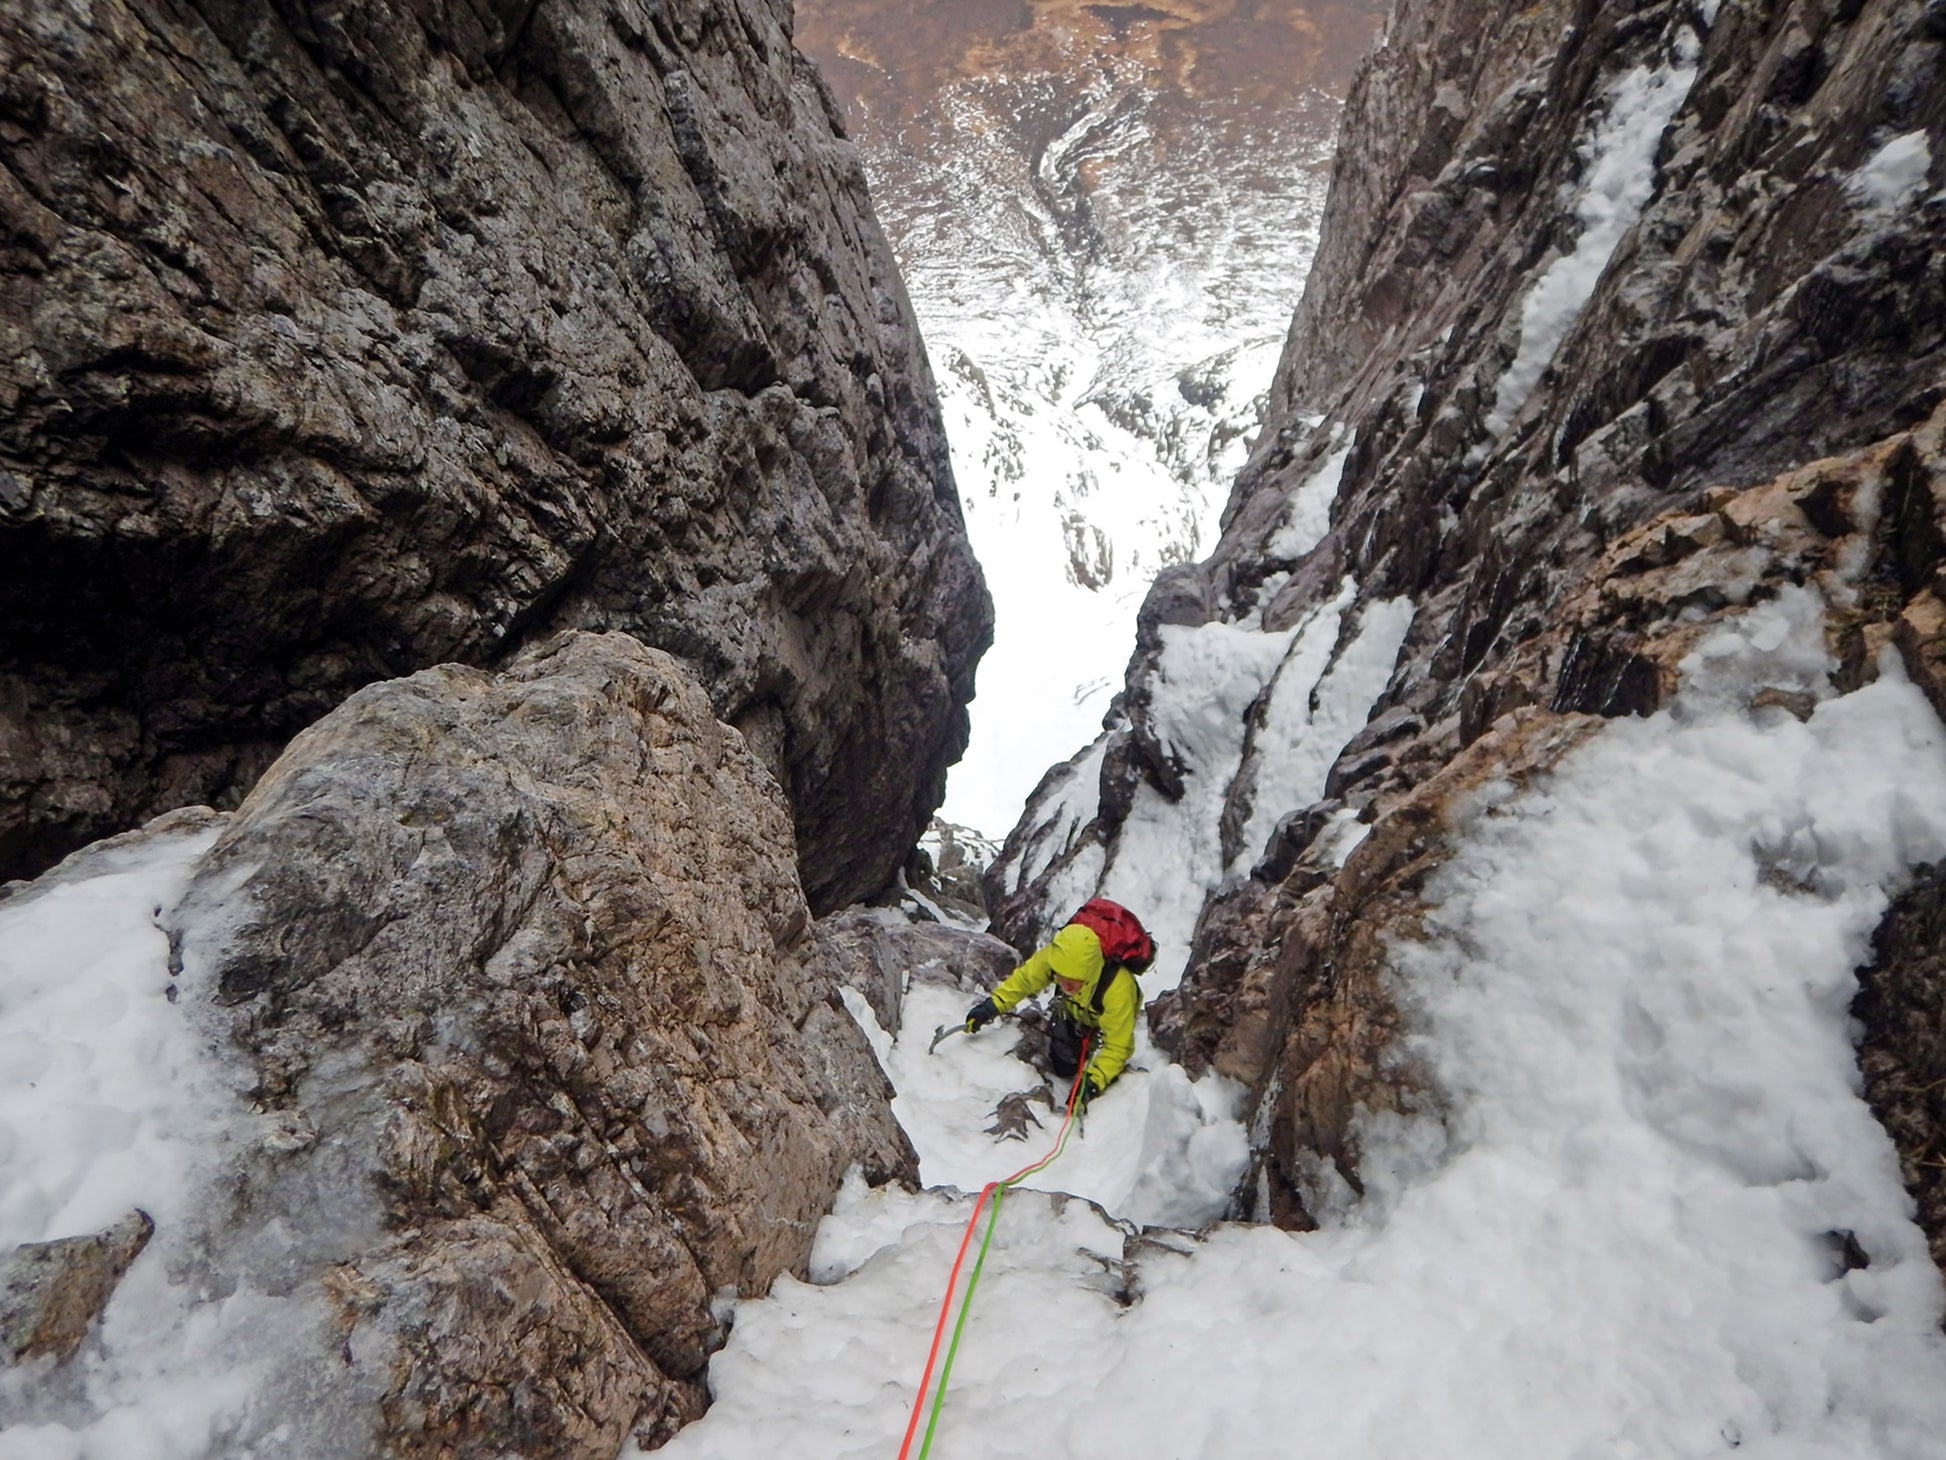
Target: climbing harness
[995,1189]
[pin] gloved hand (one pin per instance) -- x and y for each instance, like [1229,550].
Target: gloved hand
[981,1015]
[1084,1092]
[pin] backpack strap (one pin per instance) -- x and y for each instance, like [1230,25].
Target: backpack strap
[1109,970]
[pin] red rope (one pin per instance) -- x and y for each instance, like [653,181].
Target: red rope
[952,1280]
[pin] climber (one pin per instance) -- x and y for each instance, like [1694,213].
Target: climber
[1094,960]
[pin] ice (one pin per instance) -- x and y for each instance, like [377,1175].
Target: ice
[1294,751]
[1618,177]
[1168,855]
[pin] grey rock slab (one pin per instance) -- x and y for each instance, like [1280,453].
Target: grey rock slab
[51,1293]
[523,960]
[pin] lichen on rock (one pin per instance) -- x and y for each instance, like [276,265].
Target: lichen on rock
[524,969]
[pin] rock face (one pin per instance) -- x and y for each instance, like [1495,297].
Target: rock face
[1624,318]
[1902,1006]
[337,341]
[553,1060]
[52,1292]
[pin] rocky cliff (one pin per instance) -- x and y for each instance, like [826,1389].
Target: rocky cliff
[1625,319]
[338,341]
[529,1061]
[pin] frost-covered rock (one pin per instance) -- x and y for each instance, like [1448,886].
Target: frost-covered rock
[1612,337]
[543,1062]
[341,340]
[51,1293]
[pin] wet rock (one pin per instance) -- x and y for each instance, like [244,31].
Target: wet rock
[51,1293]
[346,340]
[1901,1008]
[876,950]
[526,958]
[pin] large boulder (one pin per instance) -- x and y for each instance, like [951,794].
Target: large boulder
[341,340]
[525,976]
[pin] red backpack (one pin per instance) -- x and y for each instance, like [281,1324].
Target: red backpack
[1125,943]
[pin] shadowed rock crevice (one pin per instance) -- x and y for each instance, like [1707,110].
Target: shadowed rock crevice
[345,340]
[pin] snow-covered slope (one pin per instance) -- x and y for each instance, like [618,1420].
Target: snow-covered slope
[1103,240]
[1634,1228]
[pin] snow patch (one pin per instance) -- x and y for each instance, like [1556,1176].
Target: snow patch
[1619,162]
[1307,518]
[1895,174]
[115,1095]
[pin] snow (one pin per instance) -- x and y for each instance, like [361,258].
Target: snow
[1165,1150]
[1308,516]
[112,1098]
[1895,174]
[1609,1238]
[1313,713]
[1618,178]
[1168,856]
[105,1088]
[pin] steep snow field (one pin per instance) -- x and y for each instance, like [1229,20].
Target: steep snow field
[1101,383]
[1621,1236]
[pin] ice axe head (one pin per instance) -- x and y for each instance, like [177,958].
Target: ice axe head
[943,1032]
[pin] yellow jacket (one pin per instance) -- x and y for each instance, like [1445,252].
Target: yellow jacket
[1075,955]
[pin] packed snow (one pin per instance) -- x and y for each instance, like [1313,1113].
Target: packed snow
[1616,1230]
[117,1094]
[1895,174]
[1618,177]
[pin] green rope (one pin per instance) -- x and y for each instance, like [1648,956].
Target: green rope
[1000,1189]
[965,1307]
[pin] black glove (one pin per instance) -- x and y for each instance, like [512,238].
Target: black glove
[1084,1092]
[981,1015]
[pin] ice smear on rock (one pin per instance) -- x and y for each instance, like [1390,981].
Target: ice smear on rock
[1618,1241]
[1293,751]
[1620,161]
[115,1096]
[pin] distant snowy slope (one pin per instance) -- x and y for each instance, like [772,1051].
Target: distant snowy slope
[1103,243]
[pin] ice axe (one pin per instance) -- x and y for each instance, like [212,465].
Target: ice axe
[943,1033]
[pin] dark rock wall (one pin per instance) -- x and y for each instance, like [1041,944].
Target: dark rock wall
[1902,1007]
[336,341]
[1748,398]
